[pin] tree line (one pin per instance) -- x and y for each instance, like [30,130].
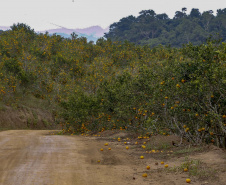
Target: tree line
[153,29]
[117,84]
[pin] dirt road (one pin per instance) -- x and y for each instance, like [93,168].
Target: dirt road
[36,158]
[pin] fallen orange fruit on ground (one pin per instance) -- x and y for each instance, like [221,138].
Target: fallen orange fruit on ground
[101,149]
[141,157]
[148,167]
[143,146]
[188,180]
[144,175]
[166,166]
[185,169]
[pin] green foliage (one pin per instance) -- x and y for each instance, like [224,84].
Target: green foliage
[119,85]
[80,109]
[153,29]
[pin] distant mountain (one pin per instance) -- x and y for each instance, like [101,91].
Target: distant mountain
[4,28]
[96,31]
[91,33]
[89,37]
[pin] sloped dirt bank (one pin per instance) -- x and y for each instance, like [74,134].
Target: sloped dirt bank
[25,118]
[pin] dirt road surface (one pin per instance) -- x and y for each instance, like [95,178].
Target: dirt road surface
[37,158]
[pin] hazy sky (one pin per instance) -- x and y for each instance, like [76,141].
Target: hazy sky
[42,14]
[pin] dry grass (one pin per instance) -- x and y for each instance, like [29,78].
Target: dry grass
[196,168]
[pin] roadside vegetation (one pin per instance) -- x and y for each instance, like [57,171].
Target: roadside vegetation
[117,85]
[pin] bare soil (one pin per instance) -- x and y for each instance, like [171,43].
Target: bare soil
[25,118]
[38,158]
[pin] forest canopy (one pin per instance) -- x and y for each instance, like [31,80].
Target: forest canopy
[153,29]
